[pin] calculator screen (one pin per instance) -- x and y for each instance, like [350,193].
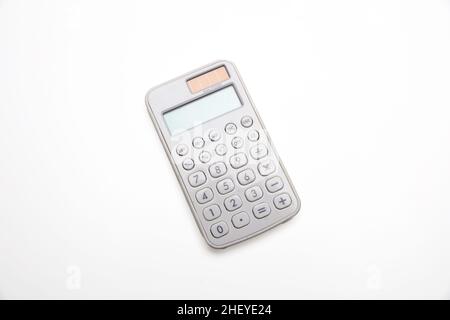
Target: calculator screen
[201,110]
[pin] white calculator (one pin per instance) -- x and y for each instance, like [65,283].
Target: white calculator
[233,180]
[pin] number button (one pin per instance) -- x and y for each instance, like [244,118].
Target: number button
[240,220]
[274,184]
[230,128]
[205,195]
[188,164]
[181,149]
[237,142]
[266,167]
[204,156]
[245,177]
[218,169]
[238,160]
[198,142]
[221,149]
[219,229]
[232,203]
[197,178]
[253,135]
[214,135]
[212,212]
[225,186]
[246,121]
[282,201]
[261,210]
[258,152]
[253,193]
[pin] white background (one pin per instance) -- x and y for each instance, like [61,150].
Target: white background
[355,95]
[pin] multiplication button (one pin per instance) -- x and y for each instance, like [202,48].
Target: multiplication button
[219,229]
[266,167]
[282,201]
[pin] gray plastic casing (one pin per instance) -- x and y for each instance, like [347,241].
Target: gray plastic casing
[175,93]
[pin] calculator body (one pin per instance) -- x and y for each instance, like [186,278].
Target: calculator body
[231,175]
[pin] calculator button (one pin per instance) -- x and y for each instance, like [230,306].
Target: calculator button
[217,169]
[212,212]
[225,186]
[230,128]
[253,135]
[221,149]
[246,121]
[188,164]
[282,201]
[182,149]
[261,210]
[253,193]
[237,142]
[266,167]
[197,178]
[214,135]
[240,219]
[198,142]
[219,229]
[238,160]
[245,177]
[258,152]
[204,156]
[205,195]
[232,203]
[274,184]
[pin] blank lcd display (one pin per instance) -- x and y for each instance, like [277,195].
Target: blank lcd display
[201,110]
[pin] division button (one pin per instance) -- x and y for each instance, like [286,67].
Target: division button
[282,201]
[274,184]
[188,164]
[219,229]
[261,210]
[259,151]
[240,219]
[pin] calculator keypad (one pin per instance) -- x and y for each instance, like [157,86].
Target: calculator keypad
[238,182]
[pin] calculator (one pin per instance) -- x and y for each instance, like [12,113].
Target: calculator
[232,177]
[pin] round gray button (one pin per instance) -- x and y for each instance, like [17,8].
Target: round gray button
[246,121]
[188,164]
[237,142]
[253,135]
[230,128]
[182,149]
[204,156]
[221,149]
[198,142]
[214,135]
